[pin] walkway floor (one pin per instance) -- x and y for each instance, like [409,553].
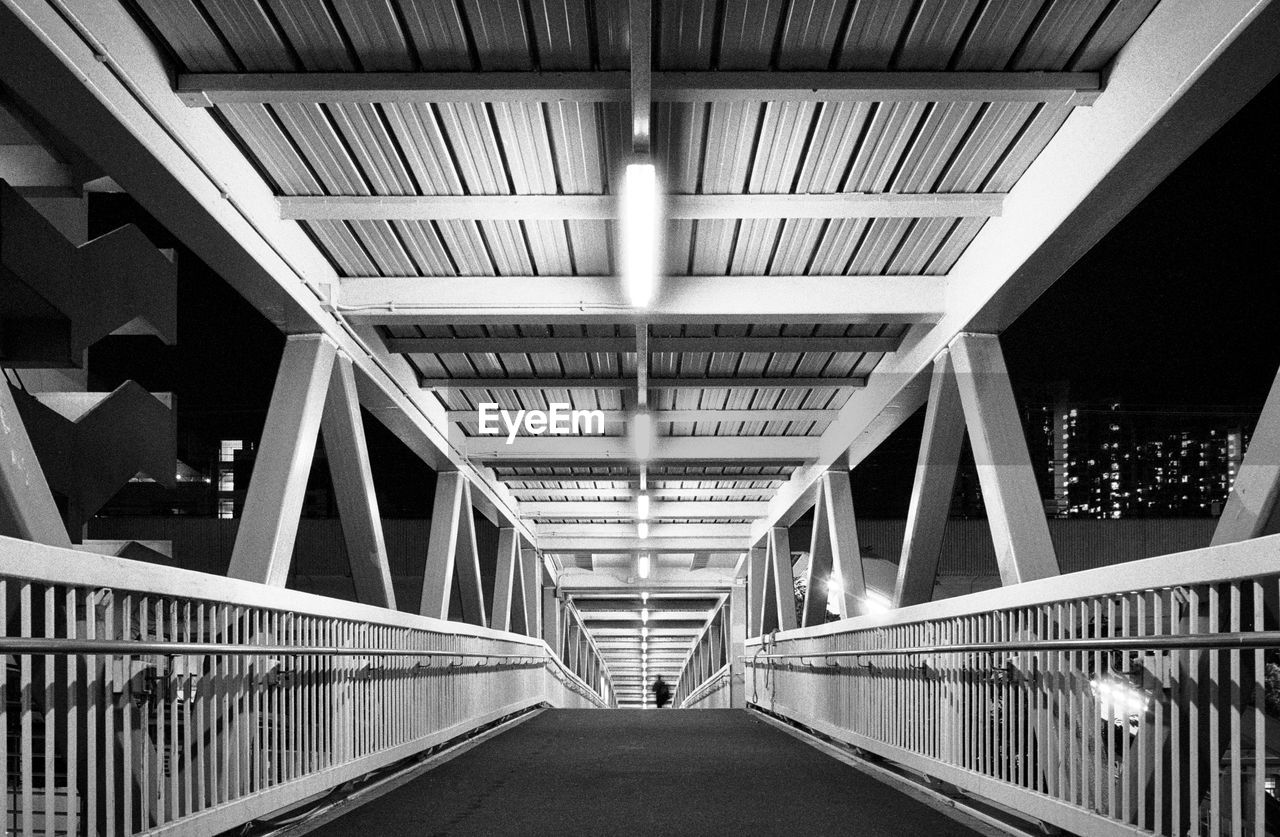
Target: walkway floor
[595,772]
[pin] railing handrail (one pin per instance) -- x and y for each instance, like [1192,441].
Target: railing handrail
[705,686]
[693,648]
[44,564]
[127,647]
[1231,641]
[1209,565]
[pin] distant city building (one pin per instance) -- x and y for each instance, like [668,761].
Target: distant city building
[1109,460]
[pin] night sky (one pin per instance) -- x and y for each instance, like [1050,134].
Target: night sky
[1177,307]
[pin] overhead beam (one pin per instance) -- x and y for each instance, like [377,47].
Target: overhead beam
[605,207]
[692,533]
[620,418]
[1180,77]
[667,541]
[626,345]
[525,495]
[451,300]
[568,449]
[654,383]
[627,510]
[204,90]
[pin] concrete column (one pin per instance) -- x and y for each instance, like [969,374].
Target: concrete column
[737,644]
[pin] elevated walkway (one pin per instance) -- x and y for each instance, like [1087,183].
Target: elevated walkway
[572,771]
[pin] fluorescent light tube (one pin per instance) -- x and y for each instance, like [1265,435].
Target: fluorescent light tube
[639,217]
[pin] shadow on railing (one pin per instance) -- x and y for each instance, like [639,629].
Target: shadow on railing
[145,698]
[1126,700]
[705,677]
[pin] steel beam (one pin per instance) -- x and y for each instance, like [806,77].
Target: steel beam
[779,605]
[772,382]
[451,548]
[508,585]
[570,449]
[1187,69]
[681,541]
[263,549]
[1253,506]
[627,345]
[1015,511]
[27,507]
[450,300]
[834,553]
[204,90]
[605,207]
[935,479]
[348,457]
[627,510]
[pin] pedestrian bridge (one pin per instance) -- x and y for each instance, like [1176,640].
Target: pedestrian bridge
[641,283]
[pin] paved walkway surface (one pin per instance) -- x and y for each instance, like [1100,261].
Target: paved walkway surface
[668,772]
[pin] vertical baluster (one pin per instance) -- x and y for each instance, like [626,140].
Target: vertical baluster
[5,779]
[1193,716]
[189,725]
[135,762]
[1126,765]
[27,735]
[50,716]
[1234,697]
[1215,720]
[70,601]
[123,705]
[1259,716]
[1146,732]
[1101,747]
[1177,660]
[159,701]
[1158,727]
[204,758]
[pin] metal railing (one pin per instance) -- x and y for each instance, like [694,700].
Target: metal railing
[1126,700]
[146,699]
[704,678]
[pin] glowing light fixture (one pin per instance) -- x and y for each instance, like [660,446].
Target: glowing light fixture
[640,219]
[642,563]
[644,633]
[644,596]
[642,506]
[642,435]
[642,530]
[644,615]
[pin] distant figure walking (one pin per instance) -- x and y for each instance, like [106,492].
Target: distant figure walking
[661,692]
